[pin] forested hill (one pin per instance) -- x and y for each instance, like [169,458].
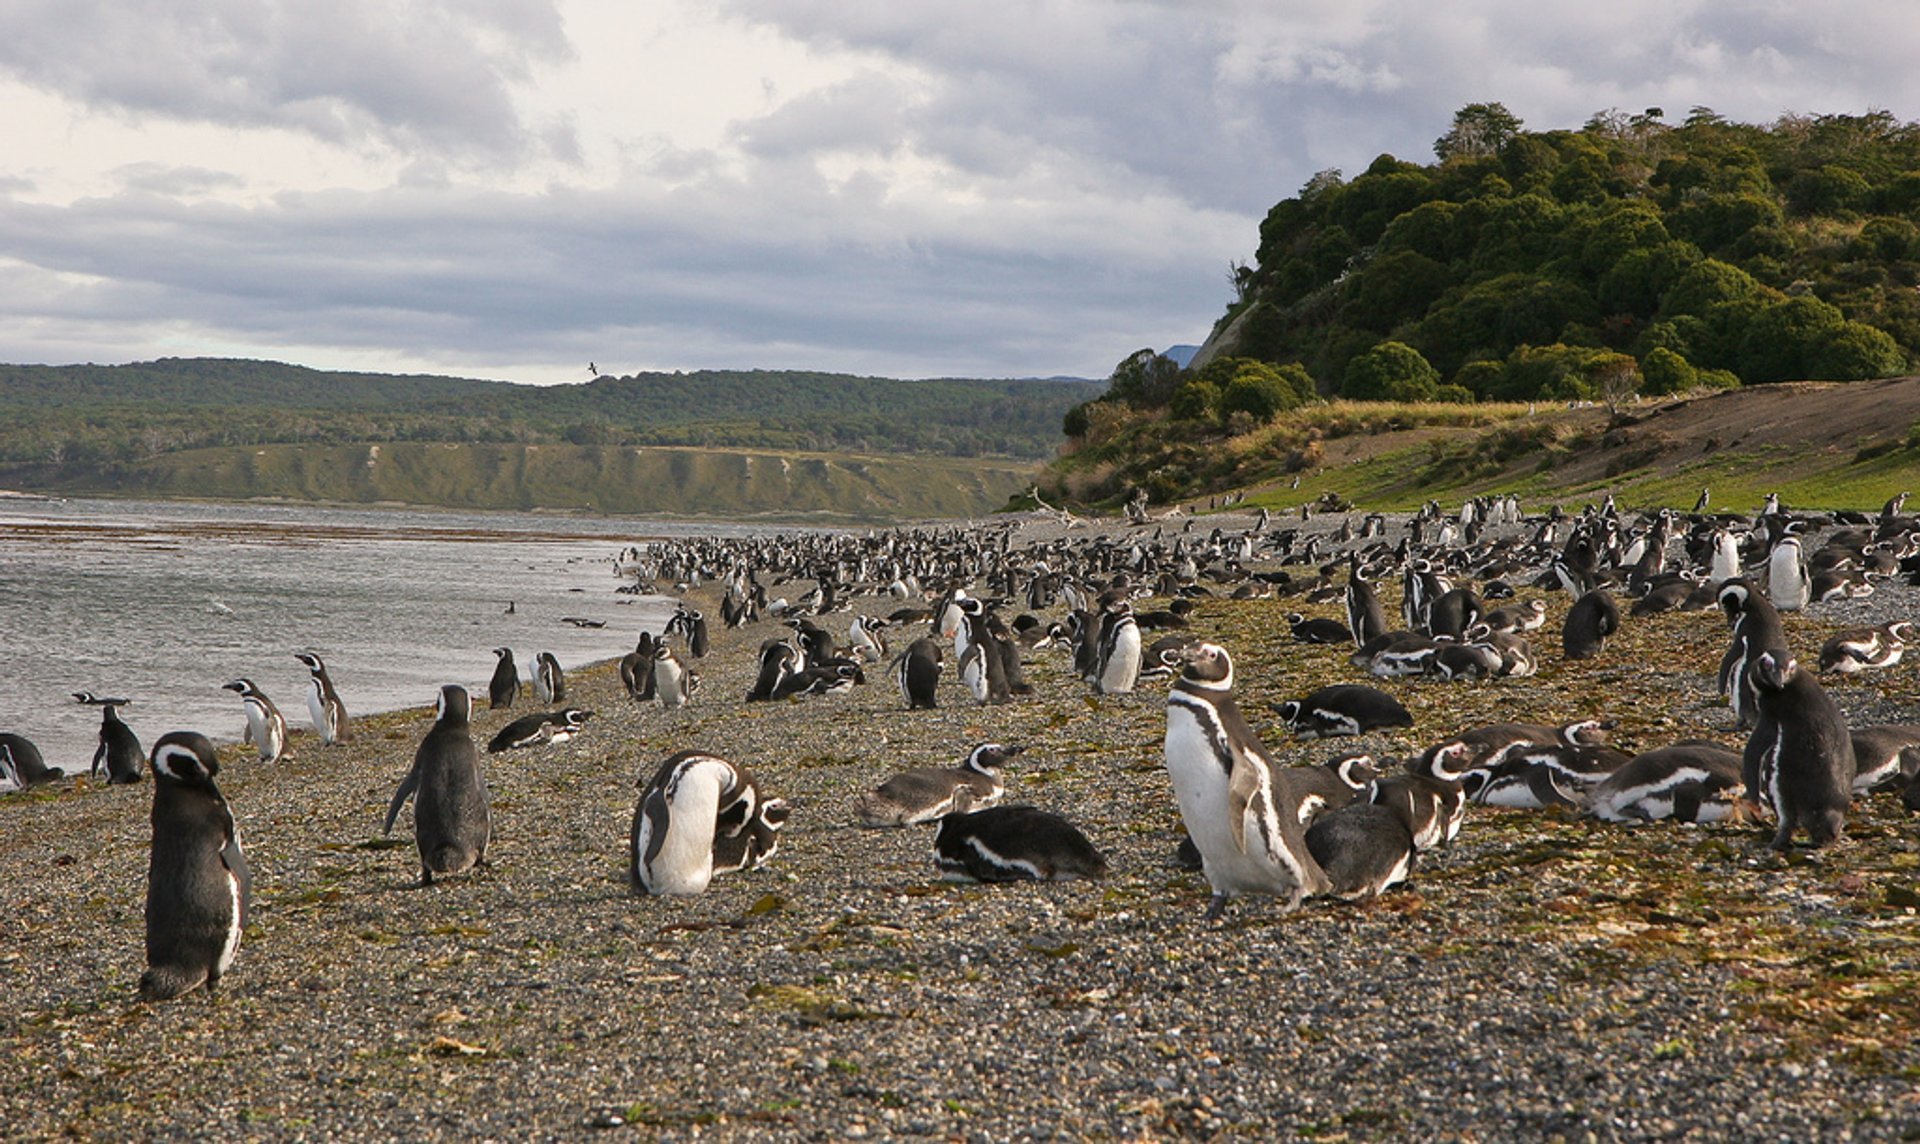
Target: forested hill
[104,415]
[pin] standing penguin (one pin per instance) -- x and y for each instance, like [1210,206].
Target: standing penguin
[198,887]
[918,672]
[1787,584]
[671,843]
[504,687]
[1365,616]
[452,821]
[549,682]
[323,702]
[119,753]
[1756,628]
[636,668]
[266,727]
[1241,810]
[673,681]
[1119,664]
[1799,760]
[1590,621]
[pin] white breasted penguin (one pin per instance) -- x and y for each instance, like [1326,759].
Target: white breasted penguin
[198,886]
[1799,759]
[549,682]
[1343,709]
[540,727]
[23,759]
[1433,807]
[1240,809]
[927,793]
[119,753]
[1119,664]
[1015,844]
[1787,582]
[778,659]
[1590,621]
[1886,757]
[1860,649]
[1756,628]
[452,816]
[323,702]
[866,636]
[917,671]
[1695,780]
[673,681]
[670,847]
[1366,616]
[504,687]
[752,842]
[266,727]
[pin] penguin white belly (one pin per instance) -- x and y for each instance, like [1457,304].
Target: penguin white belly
[1786,581]
[1200,787]
[231,945]
[317,707]
[1122,669]
[258,732]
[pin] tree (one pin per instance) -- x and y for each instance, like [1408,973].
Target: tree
[1144,379]
[1390,371]
[1614,378]
[1478,129]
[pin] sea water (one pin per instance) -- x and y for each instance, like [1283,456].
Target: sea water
[162,603]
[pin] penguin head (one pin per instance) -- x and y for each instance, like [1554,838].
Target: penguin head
[1734,596]
[575,717]
[242,686]
[454,705]
[186,758]
[1289,711]
[503,653]
[1450,761]
[1208,666]
[1358,770]
[774,813]
[311,660]
[1774,669]
[991,756]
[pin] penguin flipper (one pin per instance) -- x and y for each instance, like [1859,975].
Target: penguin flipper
[400,797]
[235,860]
[1243,786]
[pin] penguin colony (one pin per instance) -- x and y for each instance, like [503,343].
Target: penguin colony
[1257,822]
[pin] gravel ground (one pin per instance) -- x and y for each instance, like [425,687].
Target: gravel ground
[1549,977]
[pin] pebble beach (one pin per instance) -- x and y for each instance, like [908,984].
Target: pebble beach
[1549,976]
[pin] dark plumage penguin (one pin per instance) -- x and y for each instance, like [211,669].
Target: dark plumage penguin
[1799,759]
[927,793]
[1343,709]
[549,682]
[1590,621]
[266,727]
[1118,668]
[198,887]
[778,659]
[1433,808]
[452,818]
[1364,848]
[540,727]
[917,671]
[1366,617]
[1242,811]
[323,702]
[1886,757]
[1695,780]
[504,687]
[636,668]
[1015,844]
[748,841]
[670,847]
[1453,612]
[25,762]
[119,753]
[89,699]
[1756,628]
[1318,630]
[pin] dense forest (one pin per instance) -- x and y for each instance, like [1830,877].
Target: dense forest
[1632,255]
[106,415]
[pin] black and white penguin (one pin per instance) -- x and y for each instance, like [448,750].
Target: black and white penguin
[753,841]
[549,682]
[1241,810]
[504,687]
[1787,583]
[1118,668]
[1015,844]
[538,728]
[28,767]
[198,886]
[1318,629]
[1343,709]
[778,659]
[89,699]
[866,635]
[917,671]
[452,816]
[1756,628]
[927,793]
[1364,849]
[671,843]
[1433,808]
[1366,617]
[673,681]
[1695,780]
[1861,649]
[119,753]
[1799,760]
[266,727]
[691,627]
[1886,757]
[1528,617]
[1590,621]
[636,669]
[1453,612]
[323,702]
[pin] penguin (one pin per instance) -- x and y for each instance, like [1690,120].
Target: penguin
[1015,844]
[266,727]
[1694,780]
[1787,583]
[504,687]
[1366,617]
[778,659]
[1318,630]
[10,780]
[452,819]
[1799,760]
[866,636]
[1756,628]
[1453,612]
[1343,709]
[1886,757]
[636,669]
[753,843]
[1364,848]
[917,670]
[198,887]
[1240,810]
[323,702]
[1453,661]
[28,766]
[1590,621]
[670,847]
[119,753]
[89,699]
[692,628]
[673,681]
[549,682]
[1433,808]
[924,794]
[1119,663]
[1858,649]
[540,727]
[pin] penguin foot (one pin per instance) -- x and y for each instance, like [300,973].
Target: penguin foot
[1215,908]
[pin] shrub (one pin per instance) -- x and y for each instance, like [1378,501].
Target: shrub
[1391,371]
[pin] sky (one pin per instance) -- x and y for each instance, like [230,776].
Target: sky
[513,189]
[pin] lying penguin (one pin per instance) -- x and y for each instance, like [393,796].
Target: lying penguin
[928,793]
